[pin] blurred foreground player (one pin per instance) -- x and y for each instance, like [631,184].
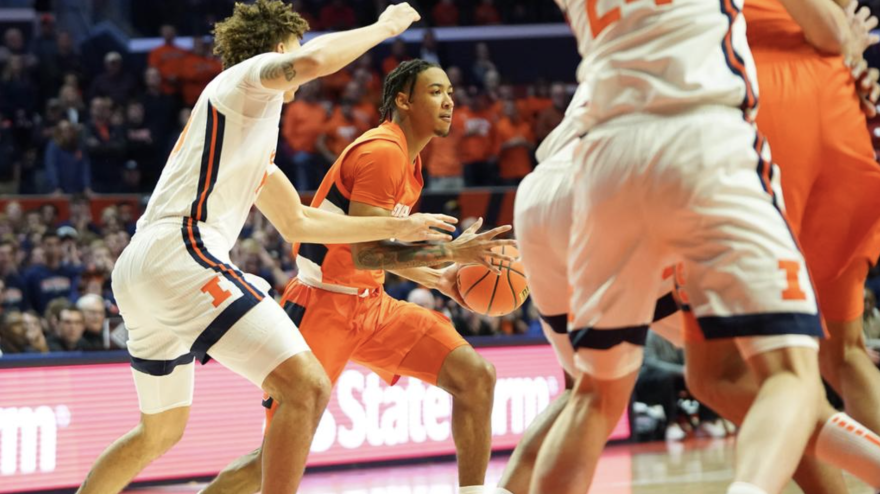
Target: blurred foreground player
[181,297]
[667,176]
[338,301]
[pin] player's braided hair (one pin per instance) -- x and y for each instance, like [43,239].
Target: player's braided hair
[401,79]
[254,29]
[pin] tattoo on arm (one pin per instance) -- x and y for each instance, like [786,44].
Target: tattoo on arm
[389,255]
[275,70]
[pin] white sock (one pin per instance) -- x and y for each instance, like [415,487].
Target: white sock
[744,488]
[850,446]
[501,490]
[472,489]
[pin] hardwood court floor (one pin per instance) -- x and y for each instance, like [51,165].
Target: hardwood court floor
[694,467]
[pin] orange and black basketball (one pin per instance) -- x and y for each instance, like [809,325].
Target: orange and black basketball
[491,294]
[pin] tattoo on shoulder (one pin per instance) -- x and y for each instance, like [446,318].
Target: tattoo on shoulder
[275,70]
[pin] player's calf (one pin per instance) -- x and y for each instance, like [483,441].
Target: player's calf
[783,415]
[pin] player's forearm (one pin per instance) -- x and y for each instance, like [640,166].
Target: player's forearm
[335,51]
[318,226]
[393,256]
[427,277]
[824,23]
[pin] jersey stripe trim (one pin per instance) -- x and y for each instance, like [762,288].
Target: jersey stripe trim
[606,339]
[192,238]
[771,324]
[734,61]
[221,325]
[160,367]
[210,168]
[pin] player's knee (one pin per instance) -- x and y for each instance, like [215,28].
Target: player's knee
[466,373]
[309,388]
[159,438]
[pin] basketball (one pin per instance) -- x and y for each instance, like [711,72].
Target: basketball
[491,294]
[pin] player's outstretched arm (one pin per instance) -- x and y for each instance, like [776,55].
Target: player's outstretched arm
[329,53]
[469,248]
[824,23]
[280,203]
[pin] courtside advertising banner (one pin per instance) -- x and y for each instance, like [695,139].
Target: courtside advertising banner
[54,421]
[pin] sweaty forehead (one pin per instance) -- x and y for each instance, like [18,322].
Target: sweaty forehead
[433,76]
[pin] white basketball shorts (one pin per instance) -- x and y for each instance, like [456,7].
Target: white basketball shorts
[695,190]
[183,300]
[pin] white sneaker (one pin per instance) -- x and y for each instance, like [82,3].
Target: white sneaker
[714,429]
[675,433]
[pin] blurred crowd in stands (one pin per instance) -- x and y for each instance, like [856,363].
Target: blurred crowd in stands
[55,286]
[66,130]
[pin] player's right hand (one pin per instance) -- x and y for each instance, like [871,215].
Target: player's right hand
[476,248]
[421,227]
[399,17]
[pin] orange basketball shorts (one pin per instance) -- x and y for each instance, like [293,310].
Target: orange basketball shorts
[818,135]
[390,337]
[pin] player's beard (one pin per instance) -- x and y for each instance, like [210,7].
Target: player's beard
[443,132]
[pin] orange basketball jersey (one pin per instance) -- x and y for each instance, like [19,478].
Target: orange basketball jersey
[771,28]
[374,170]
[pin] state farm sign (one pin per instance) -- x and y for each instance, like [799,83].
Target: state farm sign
[54,421]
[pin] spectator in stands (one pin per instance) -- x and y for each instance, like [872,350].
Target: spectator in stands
[456,77]
[441,156]
[44,46]
[51,277]
[515,143]
[142,148]
[114,83]
[519,14]
[126,216]
[67,60]
[445,13]
[10,158]
[18,97]
[49,214]
[476,149]
[396,57]
[45,126]
[33,326]
[13,337]
[13,44]
[72,105]
[337,16]
[300,8]
[197,69]
[167,58]
[94,314]
[304,121]
[13,281]
[482,63]
[105,146]
[80,217]
[423,298]
[486,13]
[364,109]
[368,78]
[429,51]
[551,116]
[68,169]
[537,100]
[339,131]
[160,116]
[71,327]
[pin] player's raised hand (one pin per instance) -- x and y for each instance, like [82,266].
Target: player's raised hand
[420,227]
[399,17]
[861,23]
[476,248]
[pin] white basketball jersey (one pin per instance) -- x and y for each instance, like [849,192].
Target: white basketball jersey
[661,56]
[224,154]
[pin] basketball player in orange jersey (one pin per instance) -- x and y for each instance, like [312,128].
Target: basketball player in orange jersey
[181,297]
[337,299]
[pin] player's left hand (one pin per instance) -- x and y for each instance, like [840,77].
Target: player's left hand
[861,23]
[867,87]
[448,284]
